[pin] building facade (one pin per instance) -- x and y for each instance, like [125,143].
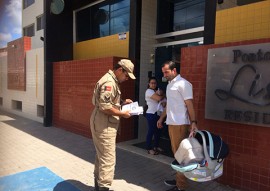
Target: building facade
[22,71]
[82,39]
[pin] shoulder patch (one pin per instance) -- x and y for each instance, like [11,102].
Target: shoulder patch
[108,88]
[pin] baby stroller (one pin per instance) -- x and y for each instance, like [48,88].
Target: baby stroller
[211,167]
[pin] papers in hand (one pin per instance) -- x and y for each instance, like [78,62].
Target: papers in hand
[133,108]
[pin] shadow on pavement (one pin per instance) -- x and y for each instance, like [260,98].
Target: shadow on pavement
[132,170]
[76,186]
[75,144]
[129,166]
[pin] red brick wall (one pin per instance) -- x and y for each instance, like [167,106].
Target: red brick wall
[17,63]
[248,165]
[73,84]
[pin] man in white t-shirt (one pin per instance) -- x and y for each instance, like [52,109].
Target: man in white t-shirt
[180,113]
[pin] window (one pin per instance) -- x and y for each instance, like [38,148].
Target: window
[40,22]
[17,105]
[103,19]
[1,101]
[27,3]
[180,15]
[40,111]
[188,14]
[29,31]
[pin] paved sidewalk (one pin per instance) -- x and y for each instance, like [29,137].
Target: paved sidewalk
[26,145]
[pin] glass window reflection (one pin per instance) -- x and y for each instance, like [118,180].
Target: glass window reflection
[103,19]
[189,14]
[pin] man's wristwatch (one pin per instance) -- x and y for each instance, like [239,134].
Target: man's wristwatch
[194,121]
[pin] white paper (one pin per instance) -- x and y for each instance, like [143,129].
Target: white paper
[133,108]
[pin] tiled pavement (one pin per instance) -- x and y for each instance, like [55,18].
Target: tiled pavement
[26,145]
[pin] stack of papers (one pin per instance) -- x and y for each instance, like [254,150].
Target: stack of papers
[133,108]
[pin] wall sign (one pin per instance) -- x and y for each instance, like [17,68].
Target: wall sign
[122,36]
[238,84]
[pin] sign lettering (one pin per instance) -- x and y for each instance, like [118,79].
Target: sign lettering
[238,84]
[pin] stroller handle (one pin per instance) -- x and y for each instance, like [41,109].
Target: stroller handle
[205,150]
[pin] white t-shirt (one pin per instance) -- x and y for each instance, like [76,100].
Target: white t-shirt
[152,104]
[178,90]
[160,107]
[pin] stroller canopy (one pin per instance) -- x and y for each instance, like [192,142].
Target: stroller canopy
[211,167]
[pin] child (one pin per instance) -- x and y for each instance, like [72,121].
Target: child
[162,103]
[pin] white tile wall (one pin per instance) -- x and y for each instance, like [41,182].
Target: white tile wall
[148,31]
[34,94]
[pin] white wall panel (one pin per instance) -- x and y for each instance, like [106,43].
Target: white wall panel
[34,94]
[148,31]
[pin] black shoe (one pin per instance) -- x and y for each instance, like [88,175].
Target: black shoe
[175,189]
[96,185]
[97,188]
[103,189]
[170,182]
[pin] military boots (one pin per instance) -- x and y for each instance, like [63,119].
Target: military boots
[97,188]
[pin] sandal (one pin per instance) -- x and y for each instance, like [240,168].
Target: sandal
[152,152]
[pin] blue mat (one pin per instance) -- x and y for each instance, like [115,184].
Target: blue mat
[39,179]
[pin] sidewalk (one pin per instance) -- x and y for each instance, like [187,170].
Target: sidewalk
[26,145]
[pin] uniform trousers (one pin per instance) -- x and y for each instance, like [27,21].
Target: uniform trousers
[177,133]
[104,138]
